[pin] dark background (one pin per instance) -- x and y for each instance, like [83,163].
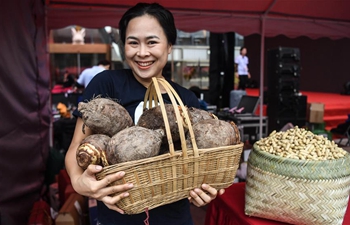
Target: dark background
[324,62]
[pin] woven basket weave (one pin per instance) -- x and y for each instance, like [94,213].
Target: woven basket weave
[169,177]
[297,191]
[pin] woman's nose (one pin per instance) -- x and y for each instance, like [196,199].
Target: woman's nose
[143,50]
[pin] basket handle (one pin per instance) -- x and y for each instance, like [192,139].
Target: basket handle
[154,93]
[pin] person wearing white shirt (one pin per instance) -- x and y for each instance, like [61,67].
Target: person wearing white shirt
[89,73]
[243,74]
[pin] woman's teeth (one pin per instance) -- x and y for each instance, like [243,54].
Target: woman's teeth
[144,63]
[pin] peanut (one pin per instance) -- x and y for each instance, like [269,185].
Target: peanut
[299,143]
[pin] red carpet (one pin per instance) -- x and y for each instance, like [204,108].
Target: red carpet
[337,106]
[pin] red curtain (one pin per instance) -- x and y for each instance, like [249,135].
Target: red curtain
[25,108]
[315,19]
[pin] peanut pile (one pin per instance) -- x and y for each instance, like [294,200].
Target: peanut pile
[298,143]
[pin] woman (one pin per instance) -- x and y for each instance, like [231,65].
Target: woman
[242,68]
[148,33]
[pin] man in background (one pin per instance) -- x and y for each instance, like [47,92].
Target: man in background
[242,69]
[87,74]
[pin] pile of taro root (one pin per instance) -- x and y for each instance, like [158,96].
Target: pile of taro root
[117,139]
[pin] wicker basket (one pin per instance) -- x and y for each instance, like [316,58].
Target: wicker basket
[297,191]
[169,177]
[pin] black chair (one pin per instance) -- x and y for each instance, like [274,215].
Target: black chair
[343,131]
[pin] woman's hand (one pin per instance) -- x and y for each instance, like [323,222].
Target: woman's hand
[204,195]
[87,185]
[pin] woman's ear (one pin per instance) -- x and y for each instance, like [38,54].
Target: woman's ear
[170,48]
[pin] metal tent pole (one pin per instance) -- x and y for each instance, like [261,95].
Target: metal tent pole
[261,94]
[262,57]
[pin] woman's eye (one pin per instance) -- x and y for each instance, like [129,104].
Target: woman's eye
[132,43]
[152,42]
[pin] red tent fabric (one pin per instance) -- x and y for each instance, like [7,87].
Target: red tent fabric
[292,18]
[25,79]
[25,110]
[269,18]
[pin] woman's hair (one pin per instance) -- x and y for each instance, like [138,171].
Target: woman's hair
[164,17]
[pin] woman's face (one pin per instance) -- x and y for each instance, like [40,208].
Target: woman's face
[146,48]
[244,51]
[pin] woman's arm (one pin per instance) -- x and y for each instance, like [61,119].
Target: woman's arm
[84,182]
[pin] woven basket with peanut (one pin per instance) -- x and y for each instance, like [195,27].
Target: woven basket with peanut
[299,143]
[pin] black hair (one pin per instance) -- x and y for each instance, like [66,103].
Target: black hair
[196,90]
[104,62]
[240,51]
[162,15]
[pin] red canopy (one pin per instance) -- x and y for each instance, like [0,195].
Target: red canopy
[269,18]
[312,18]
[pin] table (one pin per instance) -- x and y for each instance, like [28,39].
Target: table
[245,122]
[228,209]
[254,122]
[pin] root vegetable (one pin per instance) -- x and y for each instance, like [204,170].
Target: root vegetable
[104,116]
[197,115]
[134,143]
[92,151]
[212,133]
[153,119]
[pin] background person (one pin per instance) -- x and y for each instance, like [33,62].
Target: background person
[86,76]
[68,79]
[148,33]
[243,74]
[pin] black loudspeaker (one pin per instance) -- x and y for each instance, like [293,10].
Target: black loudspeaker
[279,123]
[286,109]
[221,68]
[285,104]
[283,70]
[285,54]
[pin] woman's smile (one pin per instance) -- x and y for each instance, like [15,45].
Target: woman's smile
[146,48]
[144,65]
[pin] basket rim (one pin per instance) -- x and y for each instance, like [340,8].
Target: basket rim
[301,169]
[178,153]
[299,161]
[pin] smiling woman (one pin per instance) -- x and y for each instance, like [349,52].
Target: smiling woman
[146,48]
[148,33]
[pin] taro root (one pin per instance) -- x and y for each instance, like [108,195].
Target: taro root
[104,116]
[153,119]
[92,151]
[197,115]
[211,133]
[236,132]
[134,143]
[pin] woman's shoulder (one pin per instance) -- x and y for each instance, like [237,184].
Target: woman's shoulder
[108,81]
[115,74]
[113,78]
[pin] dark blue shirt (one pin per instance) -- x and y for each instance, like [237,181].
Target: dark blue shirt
[122,86]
